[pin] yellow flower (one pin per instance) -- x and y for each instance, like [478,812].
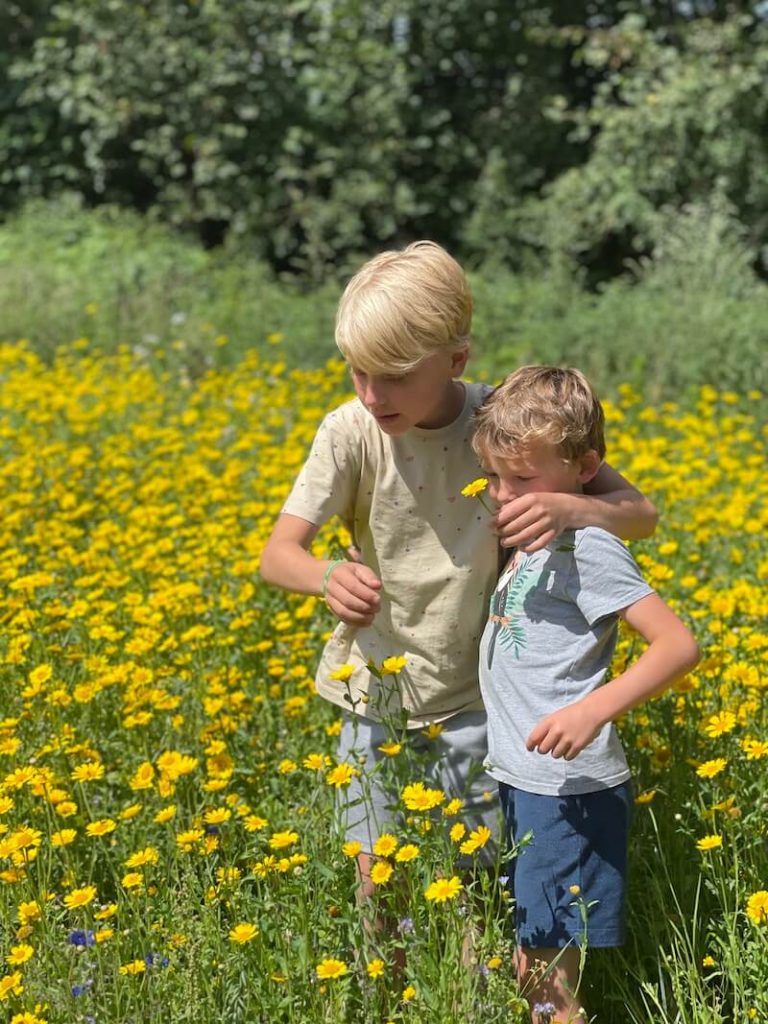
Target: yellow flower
[375,968]
[148,855]
[11,984]
[102,827]
[165,814]
[343,673]
[254,823]
[646,797]
[391,666]
[88,771]
[458,831]
[217,816]
[476,487]
[63,837]
[477,839]
[385,845]
[709,769]
[18,955]
[134,967]
[417,797]
[407,853]
[712,842]
[719,724]
[708,961]
[409,993]
[443,889]
[494,963]
[757,907]
[80,897]
[454,807]
[341,775]
[143,777]
[132,880]
[331,968]
[314,762]
[352,848]
[381,872]
[280,840]
[391,749]
[243,933]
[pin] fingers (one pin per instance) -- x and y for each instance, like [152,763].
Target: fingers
[525,523]
[352,593]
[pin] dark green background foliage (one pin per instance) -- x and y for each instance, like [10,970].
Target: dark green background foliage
[319,130]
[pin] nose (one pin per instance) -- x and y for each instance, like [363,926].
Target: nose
[504,491]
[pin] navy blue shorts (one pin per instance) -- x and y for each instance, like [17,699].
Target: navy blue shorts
[576,840]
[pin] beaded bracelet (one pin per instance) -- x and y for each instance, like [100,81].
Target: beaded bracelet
[327,574]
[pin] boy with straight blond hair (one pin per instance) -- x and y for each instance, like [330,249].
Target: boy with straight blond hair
[546,648]
[391,464]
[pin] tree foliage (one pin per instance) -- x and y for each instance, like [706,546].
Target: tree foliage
[316,130]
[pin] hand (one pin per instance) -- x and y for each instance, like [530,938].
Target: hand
[565,733]
[352,593]
[531,521]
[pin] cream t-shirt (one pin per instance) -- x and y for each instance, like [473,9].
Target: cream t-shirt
[400,498]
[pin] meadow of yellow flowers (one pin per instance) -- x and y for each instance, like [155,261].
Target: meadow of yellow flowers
[167,841]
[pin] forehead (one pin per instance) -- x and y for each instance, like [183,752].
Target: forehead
[532,456]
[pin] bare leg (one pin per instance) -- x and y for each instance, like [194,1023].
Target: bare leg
[376,926]
[549,979]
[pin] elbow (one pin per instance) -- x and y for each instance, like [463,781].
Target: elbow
[690,653]
[267,566]
[649,520]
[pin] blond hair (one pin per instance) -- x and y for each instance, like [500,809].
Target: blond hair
[541,403]
[402,307]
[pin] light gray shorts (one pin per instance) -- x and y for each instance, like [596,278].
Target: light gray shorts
[452,762]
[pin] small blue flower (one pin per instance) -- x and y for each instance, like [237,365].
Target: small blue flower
[406,925]
[81,938]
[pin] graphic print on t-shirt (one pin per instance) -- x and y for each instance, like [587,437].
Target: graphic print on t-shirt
[506,605]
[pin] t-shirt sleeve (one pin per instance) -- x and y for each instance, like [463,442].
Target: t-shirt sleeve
[605,577]
[328,481]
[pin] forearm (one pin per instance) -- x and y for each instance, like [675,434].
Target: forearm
[286,564]
[625,513]
[666,659]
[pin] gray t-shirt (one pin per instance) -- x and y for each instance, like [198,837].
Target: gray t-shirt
[548,642]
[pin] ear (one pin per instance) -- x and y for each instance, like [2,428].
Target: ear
[459,360]
[589,464]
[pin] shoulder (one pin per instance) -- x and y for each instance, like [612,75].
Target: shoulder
[477,392]
[593,539]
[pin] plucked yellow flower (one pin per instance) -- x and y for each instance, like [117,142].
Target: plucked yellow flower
[475,487]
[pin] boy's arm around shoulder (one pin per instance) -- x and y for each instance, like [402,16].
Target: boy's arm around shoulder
[351,589]
[672,651]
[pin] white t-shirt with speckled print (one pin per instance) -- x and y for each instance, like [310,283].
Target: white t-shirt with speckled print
[400,498]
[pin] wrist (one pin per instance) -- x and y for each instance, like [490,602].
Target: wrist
[329,569]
